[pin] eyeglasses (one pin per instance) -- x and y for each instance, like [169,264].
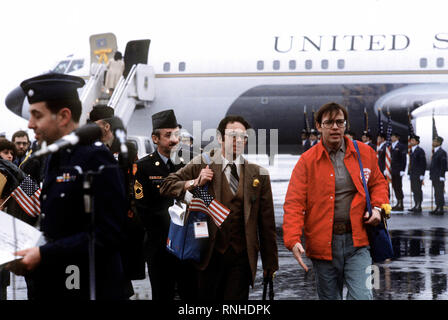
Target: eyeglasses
[328,124]
[237,135]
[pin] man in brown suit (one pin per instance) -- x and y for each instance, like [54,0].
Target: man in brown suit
[229,265]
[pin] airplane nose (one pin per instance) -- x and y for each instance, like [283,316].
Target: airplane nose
[14,101]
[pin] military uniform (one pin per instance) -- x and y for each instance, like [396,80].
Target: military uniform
[416,171]
[165,270]
[397,165]
[132,249]
[437,170]
[64,223]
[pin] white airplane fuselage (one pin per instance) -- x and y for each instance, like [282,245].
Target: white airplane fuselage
[273,80]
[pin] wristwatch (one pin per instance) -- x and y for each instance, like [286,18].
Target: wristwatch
[191,184]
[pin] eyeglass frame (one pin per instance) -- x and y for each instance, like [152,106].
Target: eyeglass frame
[332,122]
[235,135]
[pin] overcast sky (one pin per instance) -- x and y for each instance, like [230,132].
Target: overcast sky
[35,34]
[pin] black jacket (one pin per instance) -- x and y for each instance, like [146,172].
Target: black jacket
[417,162]
[152,207]
[65,225]
[438,165]
[398,158]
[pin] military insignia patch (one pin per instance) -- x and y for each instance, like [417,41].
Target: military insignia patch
[138,190]
[66,177]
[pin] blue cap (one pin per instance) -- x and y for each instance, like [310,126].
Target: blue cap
[52,86]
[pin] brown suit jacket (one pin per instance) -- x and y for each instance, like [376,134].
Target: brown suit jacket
[258,207]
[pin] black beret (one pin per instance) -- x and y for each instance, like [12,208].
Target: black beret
[164,119]
[52,86]
[101,112]
[396,134]
[438,139]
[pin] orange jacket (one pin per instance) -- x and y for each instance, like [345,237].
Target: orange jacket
[309,202]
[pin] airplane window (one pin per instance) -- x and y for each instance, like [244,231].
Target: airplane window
[166,66]
[292,64]
[423,63]
[276,65]
[440,62]
[341,64]
[324,64]
[181,66]
[61,66]
[260,65]
[75,65]
[308,64]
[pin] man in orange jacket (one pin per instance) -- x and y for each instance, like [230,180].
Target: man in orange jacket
[326,200]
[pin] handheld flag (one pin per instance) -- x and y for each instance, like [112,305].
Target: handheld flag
[204,202]
[27,196]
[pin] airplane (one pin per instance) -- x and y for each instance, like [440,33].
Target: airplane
[275,82]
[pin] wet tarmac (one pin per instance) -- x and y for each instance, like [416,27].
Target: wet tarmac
[418,271]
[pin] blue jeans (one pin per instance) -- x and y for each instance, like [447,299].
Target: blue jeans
[348,266]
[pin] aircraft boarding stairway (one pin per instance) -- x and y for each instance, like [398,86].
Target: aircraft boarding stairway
[136,89]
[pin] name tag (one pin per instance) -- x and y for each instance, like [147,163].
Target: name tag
[200,230]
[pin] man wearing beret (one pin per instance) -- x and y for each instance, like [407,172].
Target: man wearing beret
[397,166]
[60,267]
[437,174]
[416,171]
[165,270]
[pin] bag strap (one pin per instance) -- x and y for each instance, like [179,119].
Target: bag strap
[369,205]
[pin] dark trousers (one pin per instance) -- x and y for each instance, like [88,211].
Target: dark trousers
[439,187]
[227,277]
[416,188]
[169,275]
[397,185]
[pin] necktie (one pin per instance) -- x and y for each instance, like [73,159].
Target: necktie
[170,166]
[234,179]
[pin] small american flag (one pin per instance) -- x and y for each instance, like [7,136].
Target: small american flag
[27,196]
[204,202]
[411,132]
[388,147]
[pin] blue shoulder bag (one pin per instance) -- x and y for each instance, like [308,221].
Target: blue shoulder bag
[182,241]
[379,239]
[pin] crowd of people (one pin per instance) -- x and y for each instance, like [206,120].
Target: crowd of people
[131,200]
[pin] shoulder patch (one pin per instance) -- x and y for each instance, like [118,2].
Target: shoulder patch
[138,190]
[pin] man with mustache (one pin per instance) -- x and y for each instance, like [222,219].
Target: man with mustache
[165,270]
